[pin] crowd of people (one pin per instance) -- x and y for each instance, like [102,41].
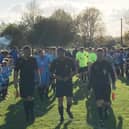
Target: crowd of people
[6,67]
[55,67]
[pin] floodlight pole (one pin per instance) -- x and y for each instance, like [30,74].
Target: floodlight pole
[121,32]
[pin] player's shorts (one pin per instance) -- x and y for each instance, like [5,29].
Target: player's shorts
[103,93]
[27,89]
[64,88]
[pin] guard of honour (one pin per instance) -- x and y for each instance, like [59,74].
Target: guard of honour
[97,67]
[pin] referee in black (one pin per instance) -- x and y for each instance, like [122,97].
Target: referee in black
[26,67]
[101,77]
[63,69]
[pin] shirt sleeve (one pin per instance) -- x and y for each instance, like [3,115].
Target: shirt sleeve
[17,65]
[112,73]
[35,64]
[91,76]
[73,65]
[53,67]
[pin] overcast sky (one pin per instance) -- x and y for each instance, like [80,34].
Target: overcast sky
[112,10]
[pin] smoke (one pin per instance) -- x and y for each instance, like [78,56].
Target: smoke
[5,40]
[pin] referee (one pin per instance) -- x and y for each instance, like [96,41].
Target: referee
[63,69]
[101,76]
[26,67]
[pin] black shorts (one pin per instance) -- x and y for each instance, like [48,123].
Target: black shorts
[64,88]
[83,69]
[103,93]
[26,89]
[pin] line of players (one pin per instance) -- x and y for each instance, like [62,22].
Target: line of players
[84,57]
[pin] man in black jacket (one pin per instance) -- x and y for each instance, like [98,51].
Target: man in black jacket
[26,67]
[101,76]
[63,69]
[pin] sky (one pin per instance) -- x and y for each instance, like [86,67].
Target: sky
[112,10]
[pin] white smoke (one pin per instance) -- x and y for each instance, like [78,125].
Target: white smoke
[5,40]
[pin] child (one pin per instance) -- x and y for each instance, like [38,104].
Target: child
[1,81]
[5,75]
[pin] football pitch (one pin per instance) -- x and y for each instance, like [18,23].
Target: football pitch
[85,116]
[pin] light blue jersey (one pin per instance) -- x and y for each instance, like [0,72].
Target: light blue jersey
[1,81]
[51,57]
[5,75]
[43,66]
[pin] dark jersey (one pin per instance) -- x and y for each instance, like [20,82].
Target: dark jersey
[27,68]
[101,74]
[62,66]
[74,53]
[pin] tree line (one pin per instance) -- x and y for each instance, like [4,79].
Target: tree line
[59,29]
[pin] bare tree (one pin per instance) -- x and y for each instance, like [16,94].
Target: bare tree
[126,22]
[89,25]
[32,12]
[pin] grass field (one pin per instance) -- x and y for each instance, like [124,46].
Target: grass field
[85,116]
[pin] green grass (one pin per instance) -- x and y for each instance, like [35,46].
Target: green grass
[85,116]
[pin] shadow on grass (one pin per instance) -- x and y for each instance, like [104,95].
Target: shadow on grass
[42,107]
[65,125]
[81,93]
[124,80]
[15,117]
[58,126]
[92,116]
[120,122]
